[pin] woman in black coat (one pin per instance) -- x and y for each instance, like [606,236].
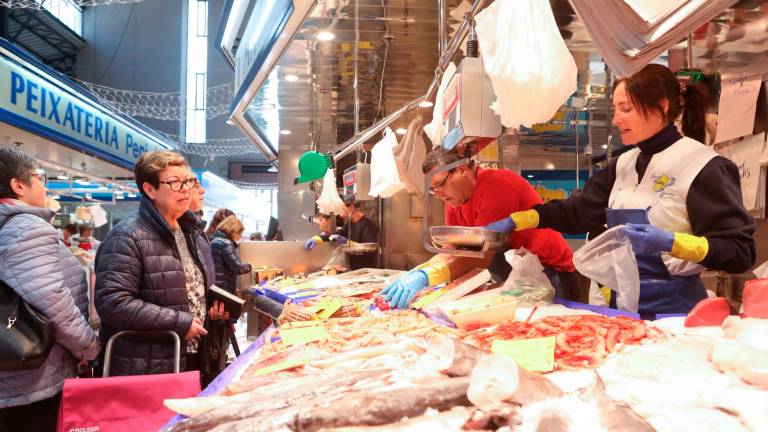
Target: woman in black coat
[225,252]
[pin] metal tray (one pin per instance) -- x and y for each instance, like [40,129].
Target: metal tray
[472,238]
[360,248]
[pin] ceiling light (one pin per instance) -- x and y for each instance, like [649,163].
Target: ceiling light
[605,146]
[62,176]
[285,132]
[401,131]
[291,78]
[426,104]
[530,175]
[272,169]
[83,182]
[550,166]
[325,35]
[131,195]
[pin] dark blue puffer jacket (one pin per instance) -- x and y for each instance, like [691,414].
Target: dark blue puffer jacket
[227,262]
[140,285]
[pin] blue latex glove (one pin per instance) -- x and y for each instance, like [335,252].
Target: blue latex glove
[310,244]
[648,239]
[340,240]
[506,225]
[400,293]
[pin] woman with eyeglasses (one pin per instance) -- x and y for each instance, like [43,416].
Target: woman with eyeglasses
[475,197]
[37,266]
[151,272]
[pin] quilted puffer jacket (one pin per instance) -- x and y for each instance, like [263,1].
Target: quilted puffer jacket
[37,265]
[140,285]
[226,260]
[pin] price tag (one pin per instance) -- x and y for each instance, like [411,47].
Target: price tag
[536,354]
[428,299]
[303,335]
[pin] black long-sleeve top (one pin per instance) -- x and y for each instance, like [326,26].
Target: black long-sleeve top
[714,204]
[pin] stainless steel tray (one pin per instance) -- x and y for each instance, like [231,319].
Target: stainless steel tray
[471,238]
[360,248]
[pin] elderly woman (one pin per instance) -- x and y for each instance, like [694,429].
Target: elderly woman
[37,266]
[151,273]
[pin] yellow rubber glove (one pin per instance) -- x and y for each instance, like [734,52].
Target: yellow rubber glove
[437,272]
[689,247]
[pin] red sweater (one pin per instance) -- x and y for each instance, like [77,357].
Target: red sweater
[499,193]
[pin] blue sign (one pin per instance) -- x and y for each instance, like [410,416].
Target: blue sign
[47,108]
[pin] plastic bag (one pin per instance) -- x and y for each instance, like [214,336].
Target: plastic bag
[329,201]
[527,281]
[337,260]
[609,260]
[410,155]
[363,180]
[531,69]
[385,179]
[435,128]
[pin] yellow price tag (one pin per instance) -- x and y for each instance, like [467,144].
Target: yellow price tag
[329,308]
[428,299]
[303,335]
[536,354]
[284,365]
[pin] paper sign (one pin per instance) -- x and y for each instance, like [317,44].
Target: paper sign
[736,112]
[284,365]
[303,335]
[532,354]
[746,154]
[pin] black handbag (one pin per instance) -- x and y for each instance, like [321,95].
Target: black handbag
[26,337]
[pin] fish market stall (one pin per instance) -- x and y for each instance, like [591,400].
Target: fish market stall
[399,370]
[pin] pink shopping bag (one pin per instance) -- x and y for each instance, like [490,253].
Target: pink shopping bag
[122,403]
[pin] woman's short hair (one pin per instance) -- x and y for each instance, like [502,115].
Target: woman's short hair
[151,163]
[218,217]
[231,226]
[14,164]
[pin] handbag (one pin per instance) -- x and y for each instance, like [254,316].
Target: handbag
[26,337]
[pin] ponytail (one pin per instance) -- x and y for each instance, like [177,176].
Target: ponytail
[694,111]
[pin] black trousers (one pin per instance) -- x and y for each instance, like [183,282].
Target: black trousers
[39,416]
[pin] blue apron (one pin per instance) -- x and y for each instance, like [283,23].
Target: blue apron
[660,292]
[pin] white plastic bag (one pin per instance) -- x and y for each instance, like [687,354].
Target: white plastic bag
[609,260]
[410,155]
[527,280]
[435,128]
[385,179]
[329,201]
[531,69]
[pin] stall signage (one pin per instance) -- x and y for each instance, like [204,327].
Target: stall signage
[44,107]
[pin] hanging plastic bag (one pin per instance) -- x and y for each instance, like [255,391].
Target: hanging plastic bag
[385,179]
[363,180]
[527,281]
[329,201]
[435,128]
[409,155]
[531,69]
[609,261]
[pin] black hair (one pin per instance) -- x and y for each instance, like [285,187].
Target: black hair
[14,164]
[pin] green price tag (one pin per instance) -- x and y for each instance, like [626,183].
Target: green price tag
[532,354]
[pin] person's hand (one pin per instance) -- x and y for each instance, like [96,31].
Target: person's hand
[292,312]
[339,240]
[505,225]
[195,330]
[400,293]
[311,243]
[217,312]
[648,239]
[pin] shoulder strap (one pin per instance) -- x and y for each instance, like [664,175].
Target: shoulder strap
[6,220]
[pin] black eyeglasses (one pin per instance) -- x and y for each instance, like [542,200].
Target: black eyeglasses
[177,185]
[40,174]
[437,188]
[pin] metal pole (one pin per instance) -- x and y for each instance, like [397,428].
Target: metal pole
[689,52]
[355,82]
[441,41]
[576,121]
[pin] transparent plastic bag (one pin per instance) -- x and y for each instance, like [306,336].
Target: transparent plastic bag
[385,178]
[531,69]
[527,281]
[329,201]
[609,261]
